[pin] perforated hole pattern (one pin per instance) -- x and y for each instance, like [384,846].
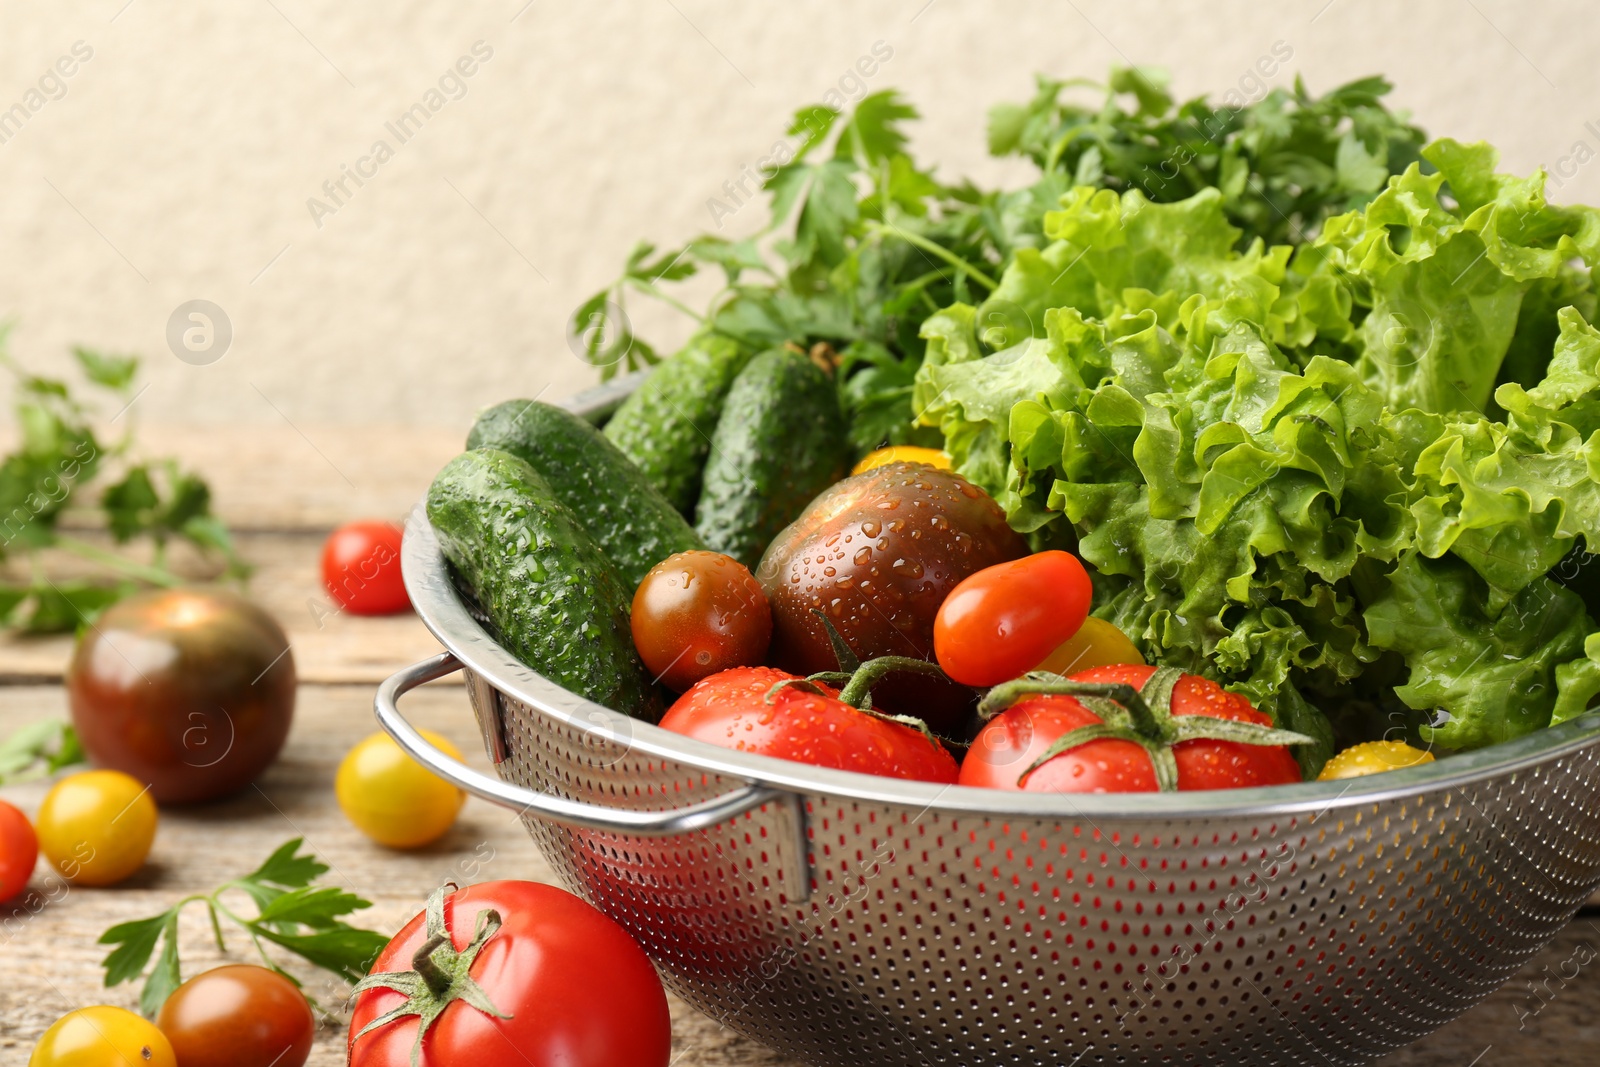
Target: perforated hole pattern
[939,938]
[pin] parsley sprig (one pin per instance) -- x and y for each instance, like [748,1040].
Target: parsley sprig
[291,912]
[39,750]
[862,244]
[54,471]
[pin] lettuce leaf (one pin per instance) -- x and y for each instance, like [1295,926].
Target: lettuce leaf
[1344,476]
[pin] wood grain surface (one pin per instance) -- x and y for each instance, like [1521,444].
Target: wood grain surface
[49,953]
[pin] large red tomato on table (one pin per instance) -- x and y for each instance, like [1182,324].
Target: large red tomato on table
[511,973]
[189,690]
[1028,746]
[877,554]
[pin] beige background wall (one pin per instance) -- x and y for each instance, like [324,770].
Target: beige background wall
[179,159]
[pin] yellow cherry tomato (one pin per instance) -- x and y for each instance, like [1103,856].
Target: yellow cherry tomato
[1372,757]
[1096,644]
[391,798]
[903,454]
[102,1037]
[96,827]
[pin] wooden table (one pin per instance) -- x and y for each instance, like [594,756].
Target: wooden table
[282,493]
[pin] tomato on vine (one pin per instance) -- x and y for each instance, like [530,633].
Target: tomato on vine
[1125,729]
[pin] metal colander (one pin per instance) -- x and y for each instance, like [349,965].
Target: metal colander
[847,919]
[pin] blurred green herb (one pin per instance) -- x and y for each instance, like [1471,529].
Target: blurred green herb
[292,912]
[38,750]
[54,468]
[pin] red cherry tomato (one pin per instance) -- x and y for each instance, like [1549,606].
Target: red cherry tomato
[731,709]
[361,568]
[19,851]
[1016,739]
[698,613]
[574,987]
[1004,620]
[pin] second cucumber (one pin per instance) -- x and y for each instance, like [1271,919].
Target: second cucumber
[781,440]
[632,522]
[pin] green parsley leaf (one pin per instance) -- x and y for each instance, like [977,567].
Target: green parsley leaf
[292,912]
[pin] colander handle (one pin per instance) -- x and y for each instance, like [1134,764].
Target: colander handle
[545,805]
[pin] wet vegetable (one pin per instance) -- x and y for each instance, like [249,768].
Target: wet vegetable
[877,554]
[699,613]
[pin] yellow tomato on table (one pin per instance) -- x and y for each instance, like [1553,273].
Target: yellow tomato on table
[392,798]
[102,1037]
[96,827]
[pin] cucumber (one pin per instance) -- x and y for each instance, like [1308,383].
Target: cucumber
[611,497]
[553,598]
[665,426]
[781,440]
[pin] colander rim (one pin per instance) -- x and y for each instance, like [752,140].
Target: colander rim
[442,611]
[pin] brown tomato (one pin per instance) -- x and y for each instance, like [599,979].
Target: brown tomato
[189,690]
[877,554]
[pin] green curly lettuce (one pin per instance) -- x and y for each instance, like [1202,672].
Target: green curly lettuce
[1338,480]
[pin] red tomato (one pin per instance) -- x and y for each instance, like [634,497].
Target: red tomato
[1004,620]
[238,1015]
[573,986]
[731,709]
[19,851]
[1018,737]
[698,613]
[361,568]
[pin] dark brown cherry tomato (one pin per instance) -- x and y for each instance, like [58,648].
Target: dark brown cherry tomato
[188,690]
[1003,621]
[697,614]
[877,554]
[238,1016]
[361,568]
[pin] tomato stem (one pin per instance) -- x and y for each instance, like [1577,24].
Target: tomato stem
[874,671]
[433,976]
[441,975]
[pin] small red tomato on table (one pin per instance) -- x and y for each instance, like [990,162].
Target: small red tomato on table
[361,568]
[775,713]
[507,973]
[19,851]
[1125,729]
